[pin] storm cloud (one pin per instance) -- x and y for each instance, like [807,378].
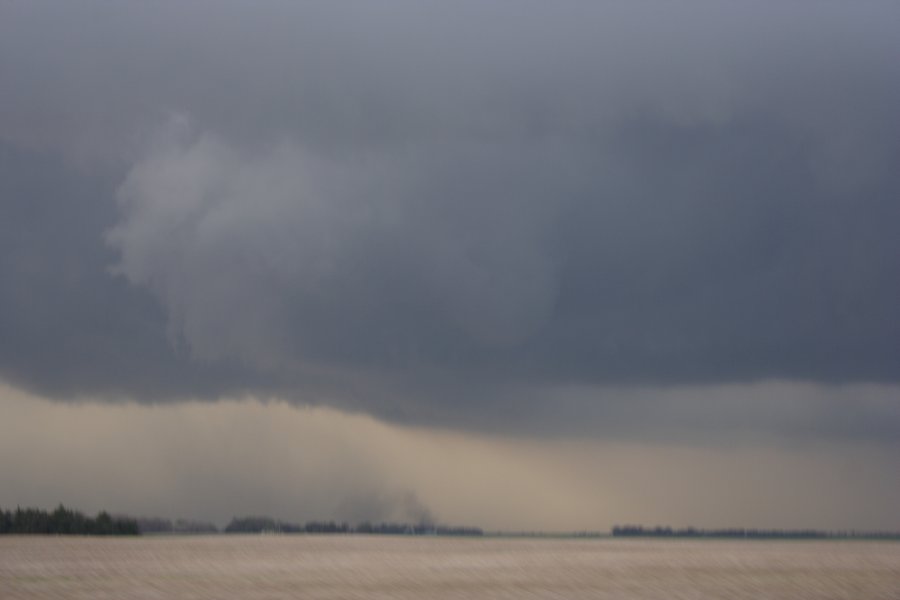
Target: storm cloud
[453,214]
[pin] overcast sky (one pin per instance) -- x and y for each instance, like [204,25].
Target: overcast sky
[560,241]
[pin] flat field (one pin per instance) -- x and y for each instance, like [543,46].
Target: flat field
[313,567]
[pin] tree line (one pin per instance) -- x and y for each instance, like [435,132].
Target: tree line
[269,525]
[691,532]
[64,521]
[182,526]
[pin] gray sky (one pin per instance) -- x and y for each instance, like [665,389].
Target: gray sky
[646,226]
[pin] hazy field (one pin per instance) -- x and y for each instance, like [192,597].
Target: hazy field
[248,567]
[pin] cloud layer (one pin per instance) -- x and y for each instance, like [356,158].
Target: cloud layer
[455,214]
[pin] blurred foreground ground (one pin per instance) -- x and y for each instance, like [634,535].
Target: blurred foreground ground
[312,567]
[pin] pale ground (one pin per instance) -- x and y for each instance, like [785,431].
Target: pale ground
[255,567]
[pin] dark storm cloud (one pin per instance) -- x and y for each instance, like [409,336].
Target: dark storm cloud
[430,211]
[67,327]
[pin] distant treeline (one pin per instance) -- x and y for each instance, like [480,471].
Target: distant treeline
[268,525]
[157,525]
[64,521]
[802,534]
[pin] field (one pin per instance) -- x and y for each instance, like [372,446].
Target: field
[313,567]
